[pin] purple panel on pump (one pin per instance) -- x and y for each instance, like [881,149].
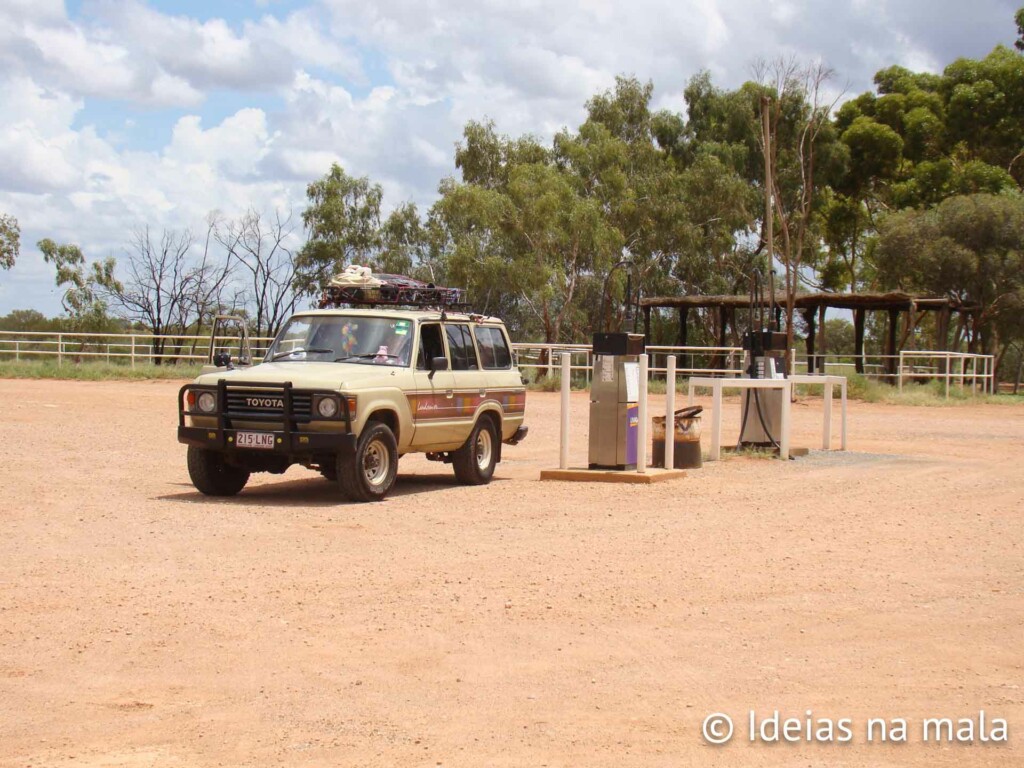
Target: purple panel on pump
[632,423]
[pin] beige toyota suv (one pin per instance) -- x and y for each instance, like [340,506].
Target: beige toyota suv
[348,391]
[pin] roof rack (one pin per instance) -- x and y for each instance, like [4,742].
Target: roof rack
[359,287]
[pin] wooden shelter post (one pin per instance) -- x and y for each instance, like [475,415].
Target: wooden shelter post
[858,339]
[723,319]
[942,337]
[811,334]
[890,346]
[822,340]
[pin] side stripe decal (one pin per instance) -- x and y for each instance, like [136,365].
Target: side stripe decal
[431,406]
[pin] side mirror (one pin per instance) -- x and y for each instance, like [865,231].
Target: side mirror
[437,364]
[222,359]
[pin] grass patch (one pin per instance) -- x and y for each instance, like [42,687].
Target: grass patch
[93,371]
[932,393]
[554,384]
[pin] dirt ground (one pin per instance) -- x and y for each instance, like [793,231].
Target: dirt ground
[518,624]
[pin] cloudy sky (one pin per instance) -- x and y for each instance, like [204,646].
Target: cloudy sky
[115,113]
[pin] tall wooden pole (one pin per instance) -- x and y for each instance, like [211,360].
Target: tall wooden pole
[769,223]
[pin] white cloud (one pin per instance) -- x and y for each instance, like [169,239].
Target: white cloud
[127,50]
[232,149]
[383,88]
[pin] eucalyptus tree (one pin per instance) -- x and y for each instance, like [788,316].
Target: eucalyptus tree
[970,247]
[343,222]
[519,232]
[10,240]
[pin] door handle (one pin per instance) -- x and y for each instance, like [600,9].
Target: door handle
[449,393]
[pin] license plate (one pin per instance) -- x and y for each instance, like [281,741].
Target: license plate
[254,439]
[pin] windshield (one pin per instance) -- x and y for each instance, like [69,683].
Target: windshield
[350,339]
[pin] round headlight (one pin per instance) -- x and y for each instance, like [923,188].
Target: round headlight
[327,407]
[207,402]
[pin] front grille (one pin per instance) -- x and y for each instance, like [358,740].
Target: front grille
[266,401]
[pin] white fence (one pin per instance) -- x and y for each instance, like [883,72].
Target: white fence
[132,348]
[961,368]
[874,366]
[545,359]
[118,347]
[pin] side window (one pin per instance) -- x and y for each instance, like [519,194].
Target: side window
[461,345]
[431,346]
[494,351]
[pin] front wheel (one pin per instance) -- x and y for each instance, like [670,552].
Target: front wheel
[370,473]
[475,461]
[212,475]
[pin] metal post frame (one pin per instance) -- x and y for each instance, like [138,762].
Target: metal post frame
[641,428]
[670,410]
[563,431]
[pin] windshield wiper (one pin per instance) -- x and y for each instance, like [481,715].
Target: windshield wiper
[367,356]
[315,350]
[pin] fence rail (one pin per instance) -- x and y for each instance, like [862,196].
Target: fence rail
[545,358]
[884,367]
[946,369]
[957,368]
[119,347]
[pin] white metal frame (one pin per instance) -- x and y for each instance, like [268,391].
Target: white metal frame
[717,385]
[827,383]
[987,375]
[786,385]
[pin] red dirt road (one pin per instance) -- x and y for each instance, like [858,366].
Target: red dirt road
[518,624]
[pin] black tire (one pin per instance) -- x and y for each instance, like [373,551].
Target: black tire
[475,461]
[330,472]
[370,473]
[212,475]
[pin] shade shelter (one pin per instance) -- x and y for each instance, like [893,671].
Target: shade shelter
[813,307]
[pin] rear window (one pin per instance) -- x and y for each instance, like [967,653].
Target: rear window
[461,345]
[494,351]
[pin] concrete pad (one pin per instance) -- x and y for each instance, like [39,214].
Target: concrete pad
[584,475]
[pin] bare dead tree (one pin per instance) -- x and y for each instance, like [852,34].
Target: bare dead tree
[210,289]
[259,249]
[164,288]
[798,106]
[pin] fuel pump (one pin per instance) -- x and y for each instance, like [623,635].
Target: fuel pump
[764,357]
[615,390]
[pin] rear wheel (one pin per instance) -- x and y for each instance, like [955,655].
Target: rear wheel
[212,475]
[475,461]
[370,473]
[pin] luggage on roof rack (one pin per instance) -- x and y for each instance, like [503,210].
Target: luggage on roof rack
[358,286]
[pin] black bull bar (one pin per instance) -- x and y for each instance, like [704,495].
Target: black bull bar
[288,440]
